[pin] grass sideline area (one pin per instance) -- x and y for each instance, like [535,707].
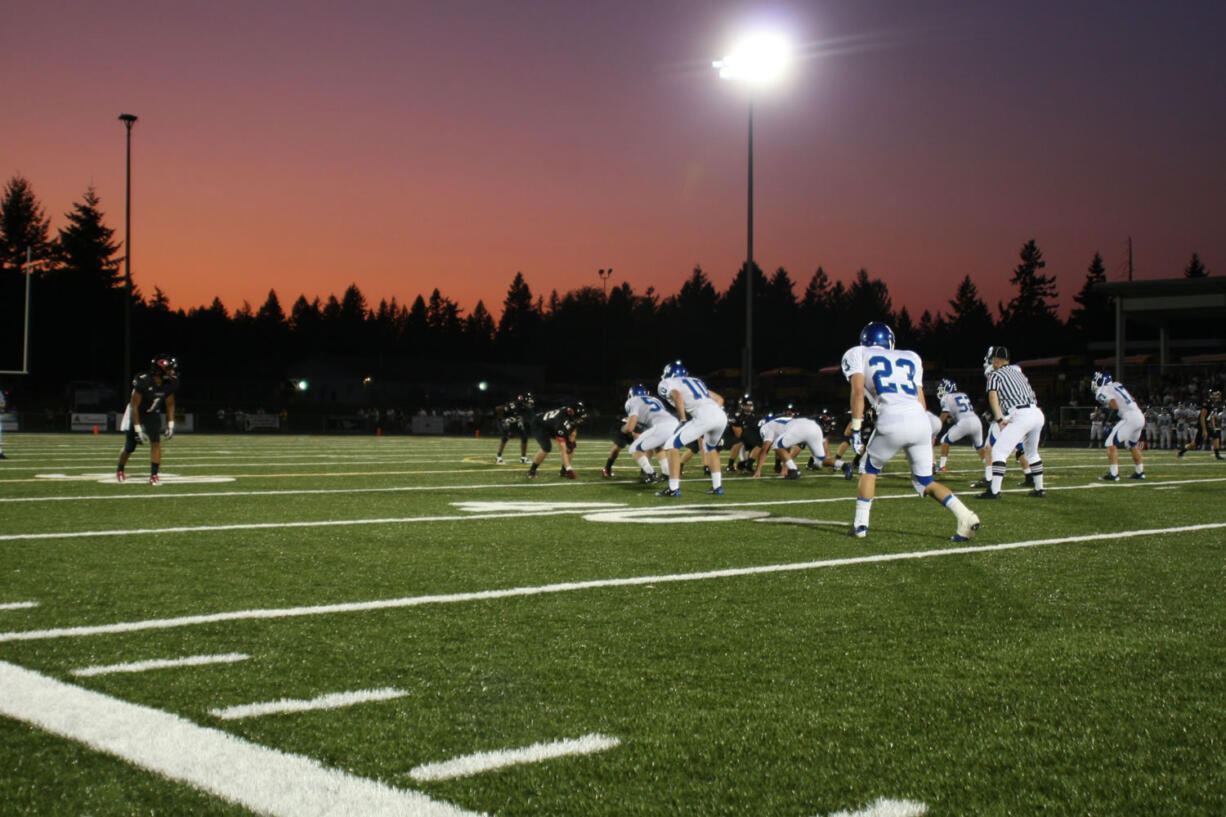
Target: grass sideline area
[396,625]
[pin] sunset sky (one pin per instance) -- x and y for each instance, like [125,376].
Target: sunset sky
[403,146]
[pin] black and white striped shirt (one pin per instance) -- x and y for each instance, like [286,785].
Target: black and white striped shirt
[1011,387]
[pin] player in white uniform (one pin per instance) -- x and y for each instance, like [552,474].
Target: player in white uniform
[959,412]
[785,434]
[654,424]
[701,415]
[1125,432]
[892,381]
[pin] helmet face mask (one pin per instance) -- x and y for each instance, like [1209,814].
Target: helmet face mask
[877,334]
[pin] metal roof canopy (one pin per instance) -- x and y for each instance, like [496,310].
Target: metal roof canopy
[1158,302]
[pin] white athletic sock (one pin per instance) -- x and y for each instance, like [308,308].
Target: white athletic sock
[863,508]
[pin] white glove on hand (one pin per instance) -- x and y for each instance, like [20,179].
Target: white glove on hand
[170,429]
[857,442]
[140,433]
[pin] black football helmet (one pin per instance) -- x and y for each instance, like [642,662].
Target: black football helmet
[164,366]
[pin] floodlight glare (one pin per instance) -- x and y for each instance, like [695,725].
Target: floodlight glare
[758,59]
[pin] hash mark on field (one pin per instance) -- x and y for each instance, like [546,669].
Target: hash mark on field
[334,700]
[565,587]
[264,780]
[18,605]
[160,663]
[488,761]
[887,808]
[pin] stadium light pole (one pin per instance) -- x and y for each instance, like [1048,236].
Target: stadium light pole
[760,59]
[128,120]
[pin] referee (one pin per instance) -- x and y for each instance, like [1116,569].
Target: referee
[1018,416]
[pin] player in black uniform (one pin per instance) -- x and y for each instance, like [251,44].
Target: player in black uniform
[866,431]
[1208,426]
[560,424]
[514,417]
[746,439]
[825,421]
[152,393]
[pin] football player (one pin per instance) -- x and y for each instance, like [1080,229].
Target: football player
[867,424]
[701,416]
[785,435]
[561,425]
[1205,426]
[1127,431]
[153,392]
[743,423]
[653,424]
[892,381]
[514,418]
[962,422]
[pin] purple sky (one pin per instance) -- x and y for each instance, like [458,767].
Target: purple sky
[304,146]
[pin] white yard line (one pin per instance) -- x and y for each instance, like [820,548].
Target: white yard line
[160,663]
[566,587]
[256,777]
[18,605]
[488,761]
[887,808]
[333,700]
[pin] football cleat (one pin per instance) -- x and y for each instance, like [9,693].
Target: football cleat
[943,469]
[499,461]
[1109,478]
[120,476]
[988,494]
[1027,481]
[569,474]
[1182,451]
[1037,493]
[531,475]
[715,491]
[846,470]
[859,532]
[646,478]
[524,461]
[607,473]
[154,479]
[981,483]
[792,474]
[1137,476]
[966,528]
[669,492]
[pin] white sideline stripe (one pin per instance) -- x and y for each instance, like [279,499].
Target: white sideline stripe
[256,777]
[159,663]
[499,485]
[18,605]
[887,808]
[488,761]
[333,700]
[565,587]
[404,520]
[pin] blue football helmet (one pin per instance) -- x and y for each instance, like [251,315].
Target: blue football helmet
[675,369]
[638,390]
[946,386]
[1100,379]
[877,334]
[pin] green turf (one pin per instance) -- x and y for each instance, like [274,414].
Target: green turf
[1079,678]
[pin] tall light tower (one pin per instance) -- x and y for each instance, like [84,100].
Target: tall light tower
[128,120]
[758,60]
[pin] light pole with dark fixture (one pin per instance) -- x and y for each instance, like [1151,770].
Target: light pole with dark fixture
[128,120]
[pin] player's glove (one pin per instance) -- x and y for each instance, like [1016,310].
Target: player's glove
[140,433]
[857,442]
[170,429]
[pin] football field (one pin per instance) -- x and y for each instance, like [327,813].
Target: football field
[377,626]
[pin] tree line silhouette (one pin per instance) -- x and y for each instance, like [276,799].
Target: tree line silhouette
[587,338]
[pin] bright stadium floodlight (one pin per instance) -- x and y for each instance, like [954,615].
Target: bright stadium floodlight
[758,60]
